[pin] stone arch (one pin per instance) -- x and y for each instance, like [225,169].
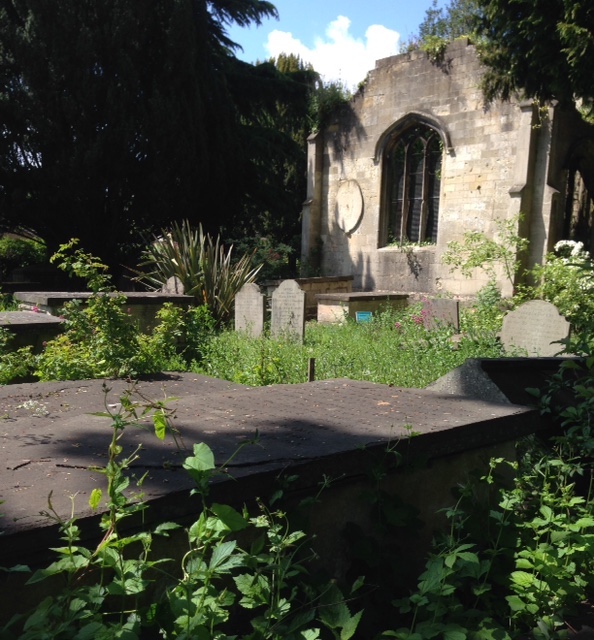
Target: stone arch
[410,119]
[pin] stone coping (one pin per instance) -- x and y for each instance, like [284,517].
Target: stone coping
[313,280]
[58,298]
[361,295]
[24,319]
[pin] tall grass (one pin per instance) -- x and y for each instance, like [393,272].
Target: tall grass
[394,348]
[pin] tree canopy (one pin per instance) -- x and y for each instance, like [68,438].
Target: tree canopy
[457,19]
[543,48]
[116,118]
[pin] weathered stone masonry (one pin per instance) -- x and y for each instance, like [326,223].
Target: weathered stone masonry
[496,161]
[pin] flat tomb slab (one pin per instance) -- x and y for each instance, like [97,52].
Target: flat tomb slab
[143,305]
[30,328]
[56,299]
[51,441]
[27,320]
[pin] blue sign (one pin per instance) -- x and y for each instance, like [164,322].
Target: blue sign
[363,316]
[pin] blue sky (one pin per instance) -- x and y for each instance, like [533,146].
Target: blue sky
[341,38]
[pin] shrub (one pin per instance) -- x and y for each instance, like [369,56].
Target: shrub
[14,365]
[518,558]
[100,339]
[20,252]
[566,280]
[204,267]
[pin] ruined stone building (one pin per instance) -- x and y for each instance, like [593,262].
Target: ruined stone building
[417,158]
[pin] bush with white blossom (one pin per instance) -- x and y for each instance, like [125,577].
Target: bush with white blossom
[566,279]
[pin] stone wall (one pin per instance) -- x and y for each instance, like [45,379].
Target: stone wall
[496,164]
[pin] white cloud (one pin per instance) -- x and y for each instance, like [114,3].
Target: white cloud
[339,56]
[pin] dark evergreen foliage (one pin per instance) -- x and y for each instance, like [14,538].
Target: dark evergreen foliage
[542,48]
[117,117]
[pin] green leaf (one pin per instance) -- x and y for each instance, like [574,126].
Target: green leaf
[18,568]
[95,498]
[231,518]
[359,582]
[160,424]
[454,632]
[522,578]
[202,460]
[221,553]
[516,603]
[165,527]
[350,626]
[90,631]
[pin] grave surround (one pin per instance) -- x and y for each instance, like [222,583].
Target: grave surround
[336,307]
[331,428]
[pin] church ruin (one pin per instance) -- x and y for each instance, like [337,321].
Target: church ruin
[416,159]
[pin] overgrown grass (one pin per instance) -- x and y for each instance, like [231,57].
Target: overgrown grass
[395,348]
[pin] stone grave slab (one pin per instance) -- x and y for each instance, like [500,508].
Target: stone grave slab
[250,306]
[288,311]
[173,285]
[535,327]
[441,311]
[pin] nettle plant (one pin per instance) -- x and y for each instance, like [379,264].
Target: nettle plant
[221,589]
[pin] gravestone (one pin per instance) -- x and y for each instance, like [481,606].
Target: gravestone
[173,285]
[288,310]
[535,327]
[441,311]
[249,310]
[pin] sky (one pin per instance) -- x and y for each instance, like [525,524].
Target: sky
[342,39]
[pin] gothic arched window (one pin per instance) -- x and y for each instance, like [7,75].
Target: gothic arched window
[412,176]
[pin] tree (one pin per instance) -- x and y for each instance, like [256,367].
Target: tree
[542,48]
[115,119]
[444,24]
[275,131]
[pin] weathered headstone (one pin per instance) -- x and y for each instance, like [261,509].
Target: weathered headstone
[441,311]
[288,310]
[173,285]
[249,310]
[536,327]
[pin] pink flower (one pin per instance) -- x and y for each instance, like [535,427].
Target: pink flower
[35,309]
[397,326]
[418,319]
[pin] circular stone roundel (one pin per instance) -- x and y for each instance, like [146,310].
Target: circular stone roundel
[349,205]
